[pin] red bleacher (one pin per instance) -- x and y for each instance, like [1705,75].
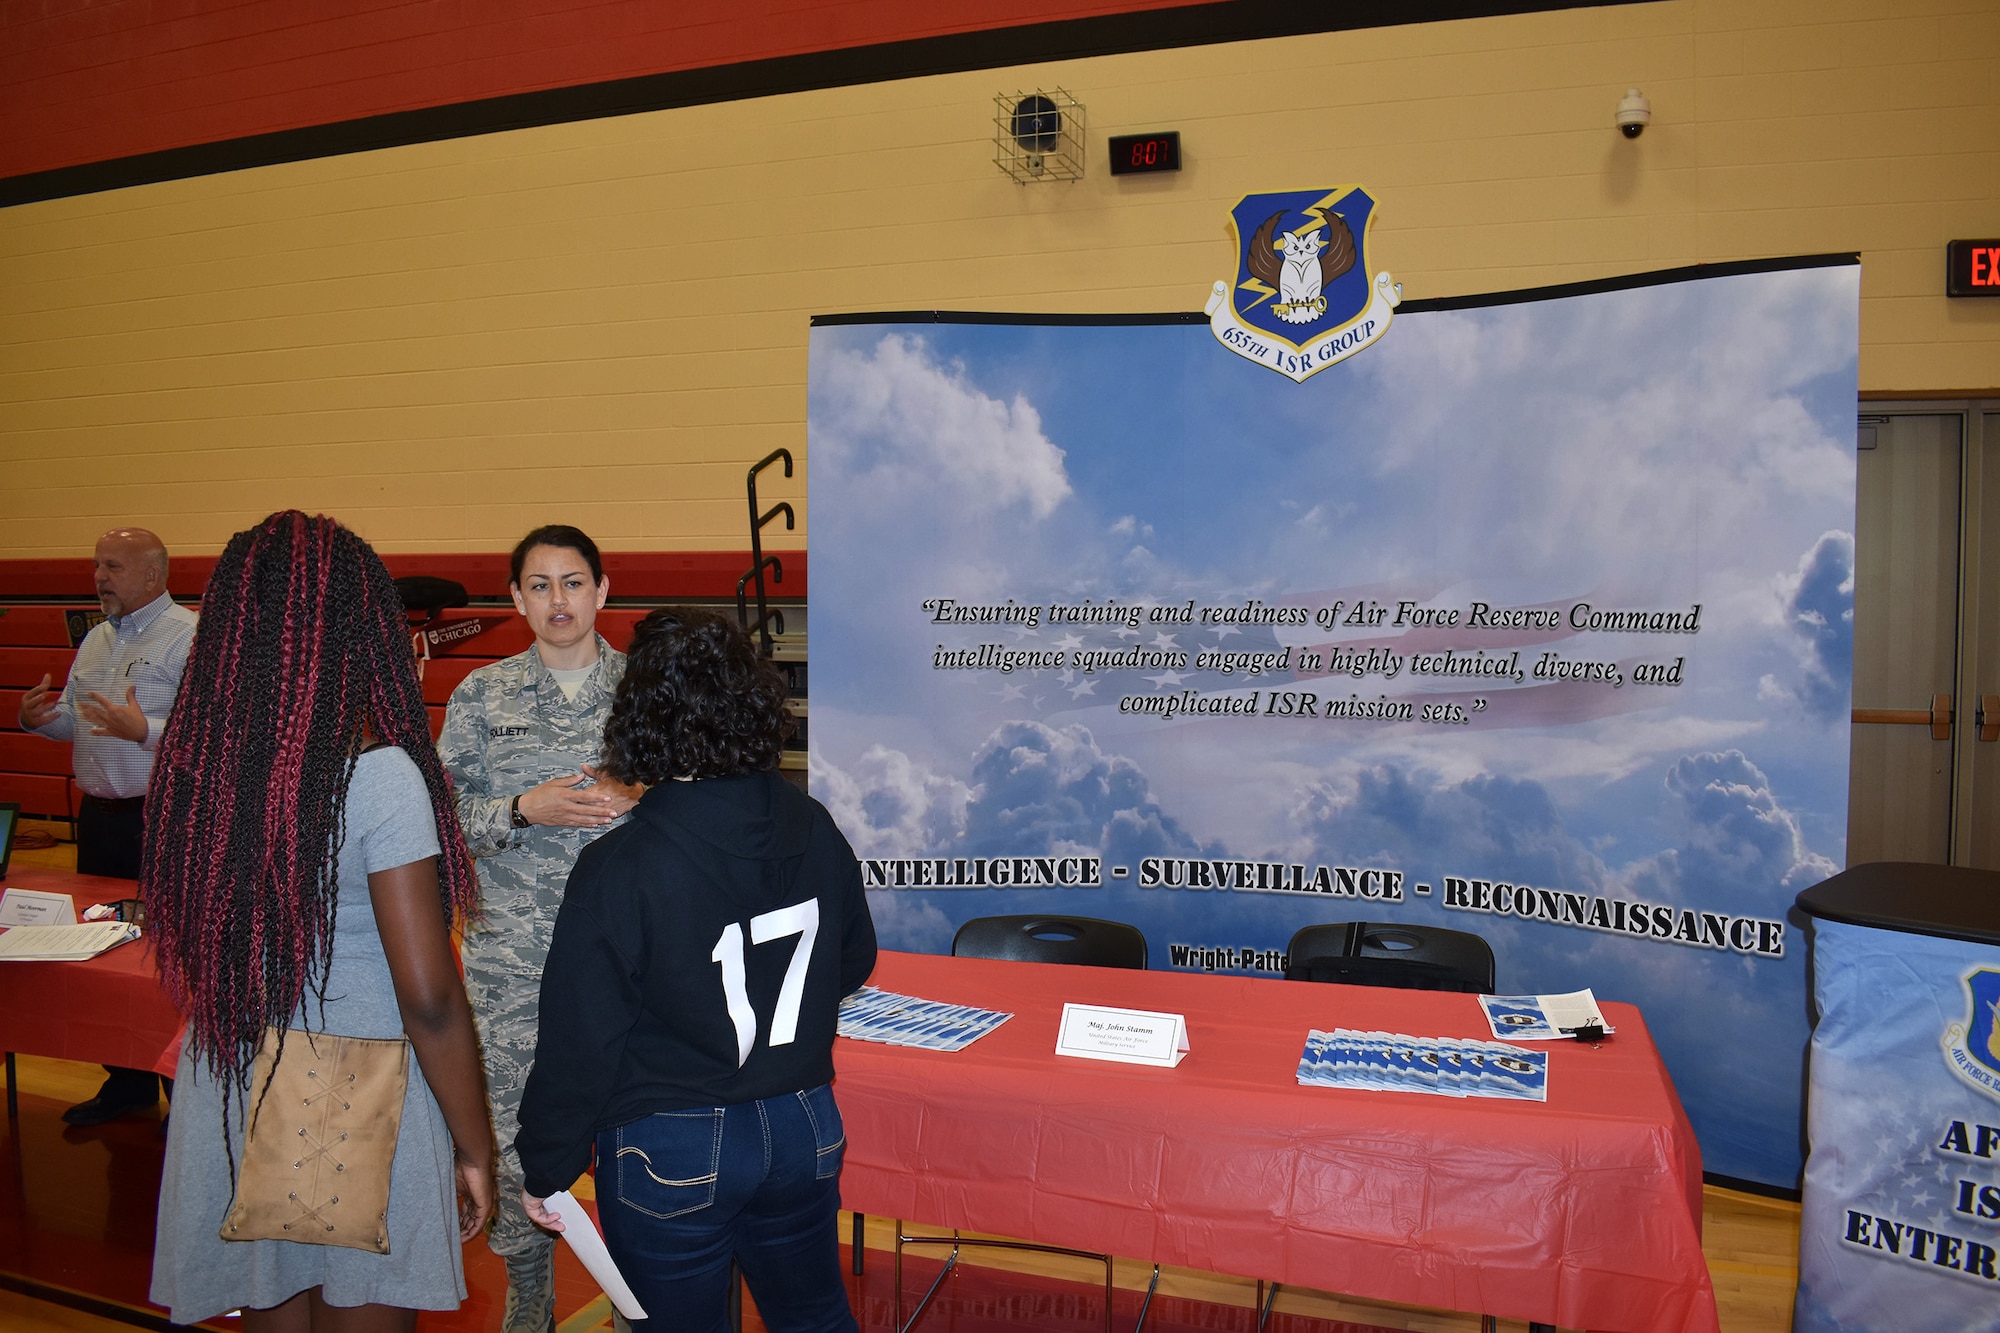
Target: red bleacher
[505,634]
[34,636]
[33,772]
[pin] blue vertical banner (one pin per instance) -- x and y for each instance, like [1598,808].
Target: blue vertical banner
[1528,616]
[1901,1222]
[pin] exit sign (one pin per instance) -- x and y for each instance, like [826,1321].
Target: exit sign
[1972,268]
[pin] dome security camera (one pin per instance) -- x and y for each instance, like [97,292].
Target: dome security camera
[1634,114]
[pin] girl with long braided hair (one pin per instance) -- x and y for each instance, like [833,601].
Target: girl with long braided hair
[303,867]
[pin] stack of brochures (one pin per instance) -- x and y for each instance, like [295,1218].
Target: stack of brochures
[1445,1066]
[904,1020]
[63,944]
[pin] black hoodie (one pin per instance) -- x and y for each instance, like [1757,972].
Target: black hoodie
[666,985]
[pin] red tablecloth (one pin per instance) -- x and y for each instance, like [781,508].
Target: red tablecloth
[109,1010]
[1584,1211]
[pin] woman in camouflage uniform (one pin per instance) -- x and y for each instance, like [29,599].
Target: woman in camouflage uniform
[521,739]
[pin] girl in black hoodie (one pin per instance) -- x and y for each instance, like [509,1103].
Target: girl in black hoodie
[689,1002]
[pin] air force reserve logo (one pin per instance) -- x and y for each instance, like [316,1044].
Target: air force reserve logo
[1972,1048]
[1302,299]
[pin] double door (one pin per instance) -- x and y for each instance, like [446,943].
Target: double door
[1925,782]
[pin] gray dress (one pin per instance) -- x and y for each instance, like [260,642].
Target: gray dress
[196,1274]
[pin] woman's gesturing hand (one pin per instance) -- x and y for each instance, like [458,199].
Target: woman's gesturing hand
[624,795]
[560,802]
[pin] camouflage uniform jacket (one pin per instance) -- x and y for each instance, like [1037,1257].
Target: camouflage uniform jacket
[508,728]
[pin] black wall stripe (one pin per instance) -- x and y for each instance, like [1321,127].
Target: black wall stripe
[1007,317]
[1070,39]
[1626,282]
[1556,292]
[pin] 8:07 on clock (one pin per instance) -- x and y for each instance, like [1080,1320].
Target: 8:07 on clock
[1132,154]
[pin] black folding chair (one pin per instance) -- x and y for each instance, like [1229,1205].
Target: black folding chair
[1409,957]
[1082,940]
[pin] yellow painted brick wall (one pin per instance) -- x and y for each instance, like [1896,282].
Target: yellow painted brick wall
[605,323]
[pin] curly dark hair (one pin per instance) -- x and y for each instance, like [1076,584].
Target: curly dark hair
[560,535]
[697,701]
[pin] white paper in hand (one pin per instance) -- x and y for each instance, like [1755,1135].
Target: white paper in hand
[581,1233]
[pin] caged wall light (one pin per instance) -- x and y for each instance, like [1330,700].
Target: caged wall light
[1038,136]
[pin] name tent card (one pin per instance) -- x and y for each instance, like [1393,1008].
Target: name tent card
[1129,1036]
[25,907]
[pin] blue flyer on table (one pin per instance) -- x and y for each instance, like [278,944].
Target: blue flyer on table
[904,1020]
[1441,1066]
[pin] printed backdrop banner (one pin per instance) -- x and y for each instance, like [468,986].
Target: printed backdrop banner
[1901,1222]
[1533,619]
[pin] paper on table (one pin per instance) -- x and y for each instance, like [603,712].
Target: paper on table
[1542,1017]
[904,1020]
[581,1233]
[63,944]
[1447,1066]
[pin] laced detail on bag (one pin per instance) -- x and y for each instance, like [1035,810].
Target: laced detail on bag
[317,1148]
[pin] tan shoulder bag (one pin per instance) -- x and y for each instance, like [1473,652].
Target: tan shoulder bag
[318,1149]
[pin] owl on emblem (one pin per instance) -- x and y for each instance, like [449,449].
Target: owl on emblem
[1309,263]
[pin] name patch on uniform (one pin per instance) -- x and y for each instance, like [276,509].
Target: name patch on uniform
[507,731]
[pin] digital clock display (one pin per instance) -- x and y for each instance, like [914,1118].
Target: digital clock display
[1971,268]
[1134,153]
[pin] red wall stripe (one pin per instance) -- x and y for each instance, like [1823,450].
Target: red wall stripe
[672,575]
[89,82]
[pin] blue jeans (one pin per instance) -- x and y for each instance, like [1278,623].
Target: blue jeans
[689,1190]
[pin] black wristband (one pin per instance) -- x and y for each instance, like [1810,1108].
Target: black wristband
[514,813]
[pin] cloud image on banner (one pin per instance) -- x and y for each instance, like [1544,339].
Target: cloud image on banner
[1534,619]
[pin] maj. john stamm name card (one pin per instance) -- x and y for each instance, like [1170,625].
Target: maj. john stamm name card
[1129,1036]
